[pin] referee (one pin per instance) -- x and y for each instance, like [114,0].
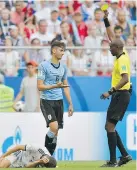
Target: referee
[52,78]
[120,92]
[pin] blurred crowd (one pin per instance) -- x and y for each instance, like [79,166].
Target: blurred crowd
[77,23]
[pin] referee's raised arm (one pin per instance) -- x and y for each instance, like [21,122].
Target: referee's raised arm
[109,30]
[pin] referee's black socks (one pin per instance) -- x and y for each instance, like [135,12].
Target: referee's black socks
[112,142]
[121,146]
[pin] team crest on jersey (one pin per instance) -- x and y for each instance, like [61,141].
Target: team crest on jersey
[49,117]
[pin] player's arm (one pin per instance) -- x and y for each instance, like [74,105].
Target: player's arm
[14,149]
[123,70]
[42,87]
[38,102]
[20,94]
[32,164]
[18,98]
[124,80]
[41,78]
[109,30]
[67,93]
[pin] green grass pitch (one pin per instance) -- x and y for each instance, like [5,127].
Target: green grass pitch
[89,165]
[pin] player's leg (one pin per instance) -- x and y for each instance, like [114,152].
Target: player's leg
[124,101]
[112,140]
[5,163]
[59,111]
[51,137]
[121,146]
[111,122]
[47,108]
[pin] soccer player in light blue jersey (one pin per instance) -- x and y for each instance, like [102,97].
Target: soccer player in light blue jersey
[52,78]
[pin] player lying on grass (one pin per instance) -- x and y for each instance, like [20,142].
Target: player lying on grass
[27,156]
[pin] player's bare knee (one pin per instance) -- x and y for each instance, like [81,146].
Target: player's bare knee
[4,164]
[54,127]
[110,127]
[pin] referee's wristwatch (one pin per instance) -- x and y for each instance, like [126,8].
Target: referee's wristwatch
[112,91]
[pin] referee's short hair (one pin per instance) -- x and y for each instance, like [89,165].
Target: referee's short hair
[57,43]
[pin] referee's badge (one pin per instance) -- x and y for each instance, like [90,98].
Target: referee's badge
[123,68]
[49,117]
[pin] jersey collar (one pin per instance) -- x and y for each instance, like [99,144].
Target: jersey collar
[120,55]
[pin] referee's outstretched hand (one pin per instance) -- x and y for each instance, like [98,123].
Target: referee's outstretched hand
[105,96]
[61,85]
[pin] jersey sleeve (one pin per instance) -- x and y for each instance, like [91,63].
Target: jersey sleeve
[41,151]
[65,73]
[29,147]
[123,65]
[22,85]
[41,73]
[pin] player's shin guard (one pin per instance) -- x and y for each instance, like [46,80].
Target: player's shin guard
[48,140]
[53,145]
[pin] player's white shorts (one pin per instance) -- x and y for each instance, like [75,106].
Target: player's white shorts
[13,158]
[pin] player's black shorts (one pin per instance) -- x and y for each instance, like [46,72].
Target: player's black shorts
[52,111]
[118,105]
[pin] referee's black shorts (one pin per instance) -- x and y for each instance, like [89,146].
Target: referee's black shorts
[118,105]
[52,111]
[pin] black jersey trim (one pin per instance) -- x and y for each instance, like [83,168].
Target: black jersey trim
[55,66]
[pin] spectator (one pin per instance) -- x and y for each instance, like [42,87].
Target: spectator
[132,54]
[79,63]
[5,23]
[63,13]
[17,40]
[113,10]
[36,55]
[18,15]
[9,60]
[54,23]
[133,11]
[65,36]
[92,40]
[121,21]
[29,28]
[88,8]
[29,90]
[103,60]
[100,28]
[2,5]
[41,10]
[78,28]
[118,31]
[44,36]
[52,5]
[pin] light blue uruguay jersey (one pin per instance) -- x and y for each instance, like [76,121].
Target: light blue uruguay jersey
[51,74]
